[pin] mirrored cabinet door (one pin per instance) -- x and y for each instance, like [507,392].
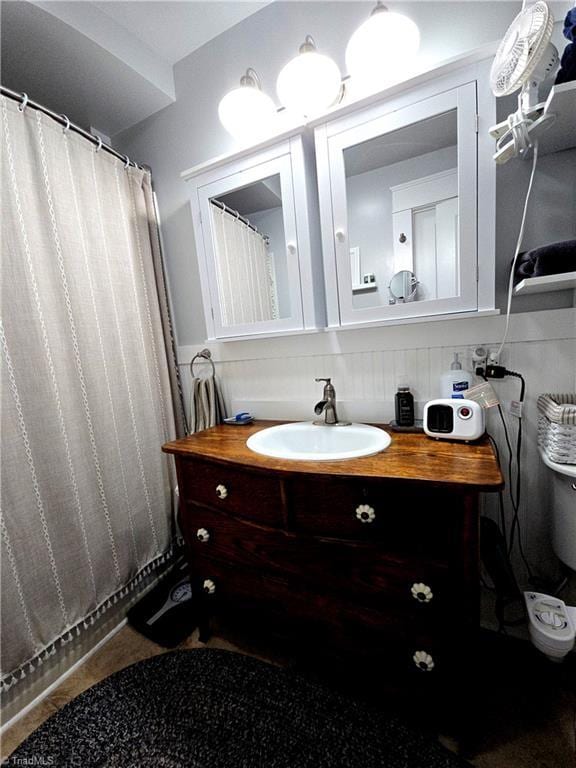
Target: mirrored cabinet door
[254,246]
[402,196]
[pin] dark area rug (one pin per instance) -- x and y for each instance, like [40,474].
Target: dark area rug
[216,709]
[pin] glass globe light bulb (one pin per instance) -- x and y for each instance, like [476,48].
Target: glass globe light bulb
[247,113]
[380,50]
[309,83]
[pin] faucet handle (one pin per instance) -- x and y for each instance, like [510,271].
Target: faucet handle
[326,380]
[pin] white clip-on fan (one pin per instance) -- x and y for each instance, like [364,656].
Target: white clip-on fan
[524,59]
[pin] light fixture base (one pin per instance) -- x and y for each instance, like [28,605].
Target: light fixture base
[250,79]
[308,46]
[380,8]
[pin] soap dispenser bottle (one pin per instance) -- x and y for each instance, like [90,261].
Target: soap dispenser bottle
[455,381]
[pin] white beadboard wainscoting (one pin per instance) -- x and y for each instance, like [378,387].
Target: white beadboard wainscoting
[273,378]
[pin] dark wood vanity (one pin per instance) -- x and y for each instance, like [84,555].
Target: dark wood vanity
[374,560]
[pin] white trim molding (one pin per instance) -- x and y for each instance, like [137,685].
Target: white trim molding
[454,330]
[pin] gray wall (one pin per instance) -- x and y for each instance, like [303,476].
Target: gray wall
[188,132]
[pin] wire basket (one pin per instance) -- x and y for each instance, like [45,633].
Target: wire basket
[557,427]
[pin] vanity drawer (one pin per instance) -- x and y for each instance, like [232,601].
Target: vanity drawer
[270,602]
[403,519]
[358,570]
[252,495]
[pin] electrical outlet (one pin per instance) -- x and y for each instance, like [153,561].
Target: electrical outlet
[515,408]
[494,358]
[479,356]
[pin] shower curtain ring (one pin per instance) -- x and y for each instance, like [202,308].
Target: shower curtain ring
[99,147]
[67,126]
[23,103]
[127,162]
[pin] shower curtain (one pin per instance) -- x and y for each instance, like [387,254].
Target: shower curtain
[244,270]
[88,387]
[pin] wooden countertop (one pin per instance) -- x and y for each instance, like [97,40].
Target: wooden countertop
[409,457]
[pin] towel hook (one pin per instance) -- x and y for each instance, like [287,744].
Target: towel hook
[205,355]
[23,103]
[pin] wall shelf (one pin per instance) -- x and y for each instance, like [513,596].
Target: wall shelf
[561,134]
[562,282]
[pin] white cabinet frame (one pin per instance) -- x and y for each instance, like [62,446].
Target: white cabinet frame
[468,93]
[288,159]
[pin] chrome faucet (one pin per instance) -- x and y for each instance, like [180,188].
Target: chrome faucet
[327,406]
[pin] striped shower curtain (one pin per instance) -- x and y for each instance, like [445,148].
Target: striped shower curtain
[244,270]
[86,387]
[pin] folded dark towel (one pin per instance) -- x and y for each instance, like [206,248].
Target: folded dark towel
[552,259]
[569,30]
[567,71]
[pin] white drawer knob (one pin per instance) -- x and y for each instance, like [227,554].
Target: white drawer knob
[422,593]
[423,661]
[202,535]
[365,513]
[221,491]
[340,235]
[291,248]
[209,587]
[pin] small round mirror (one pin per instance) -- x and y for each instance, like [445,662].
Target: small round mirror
[403,285]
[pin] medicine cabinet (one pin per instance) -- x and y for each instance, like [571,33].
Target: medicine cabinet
[257,240]
[381,211]
[398,187]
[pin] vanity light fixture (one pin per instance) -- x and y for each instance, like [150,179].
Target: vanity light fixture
[247,112]
[309,83]
[381,49]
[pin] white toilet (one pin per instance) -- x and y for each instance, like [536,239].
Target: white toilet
[552,623]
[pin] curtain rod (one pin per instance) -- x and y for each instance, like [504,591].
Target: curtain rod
[68,124]
[243,219]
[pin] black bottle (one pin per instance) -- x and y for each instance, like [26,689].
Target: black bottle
[404,407]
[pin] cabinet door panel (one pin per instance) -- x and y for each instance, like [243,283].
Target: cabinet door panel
[383,172]
[251,247]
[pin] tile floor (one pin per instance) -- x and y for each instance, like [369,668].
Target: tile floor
[523,724]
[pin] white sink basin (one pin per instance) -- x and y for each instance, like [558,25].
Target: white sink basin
[304,441]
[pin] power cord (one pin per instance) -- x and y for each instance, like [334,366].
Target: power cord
[514,488]
[500,497]
[499,372]
[517,249]
[516,521]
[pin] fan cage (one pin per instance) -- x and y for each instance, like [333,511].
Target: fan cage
[521,49]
